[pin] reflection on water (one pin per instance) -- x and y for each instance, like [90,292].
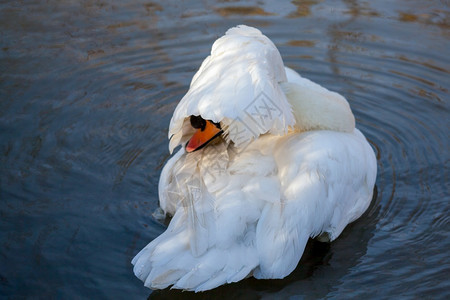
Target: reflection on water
[87,90]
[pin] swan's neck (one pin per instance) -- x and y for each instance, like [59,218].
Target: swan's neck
[316,108]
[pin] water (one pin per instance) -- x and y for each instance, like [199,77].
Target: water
[87,89]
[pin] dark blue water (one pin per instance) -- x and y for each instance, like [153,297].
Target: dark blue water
[87,89]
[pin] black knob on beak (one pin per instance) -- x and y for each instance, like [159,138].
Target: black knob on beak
[198,122]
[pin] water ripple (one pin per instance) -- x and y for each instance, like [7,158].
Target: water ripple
[88,90]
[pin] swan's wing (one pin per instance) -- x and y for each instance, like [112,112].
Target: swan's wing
[327,180]
[315,107]
[208,243]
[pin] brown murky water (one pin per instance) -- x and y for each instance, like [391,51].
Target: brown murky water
[87,89]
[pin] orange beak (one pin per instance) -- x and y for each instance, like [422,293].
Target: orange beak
[202,137]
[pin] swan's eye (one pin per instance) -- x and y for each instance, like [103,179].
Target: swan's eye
[198,122]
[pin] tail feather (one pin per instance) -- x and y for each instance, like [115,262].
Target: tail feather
[164,279]
[160,266]
[214,281]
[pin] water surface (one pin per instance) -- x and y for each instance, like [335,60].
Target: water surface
[87,89]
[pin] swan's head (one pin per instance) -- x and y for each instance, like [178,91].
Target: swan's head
[236,92]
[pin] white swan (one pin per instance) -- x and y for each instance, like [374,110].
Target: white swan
[280,161]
